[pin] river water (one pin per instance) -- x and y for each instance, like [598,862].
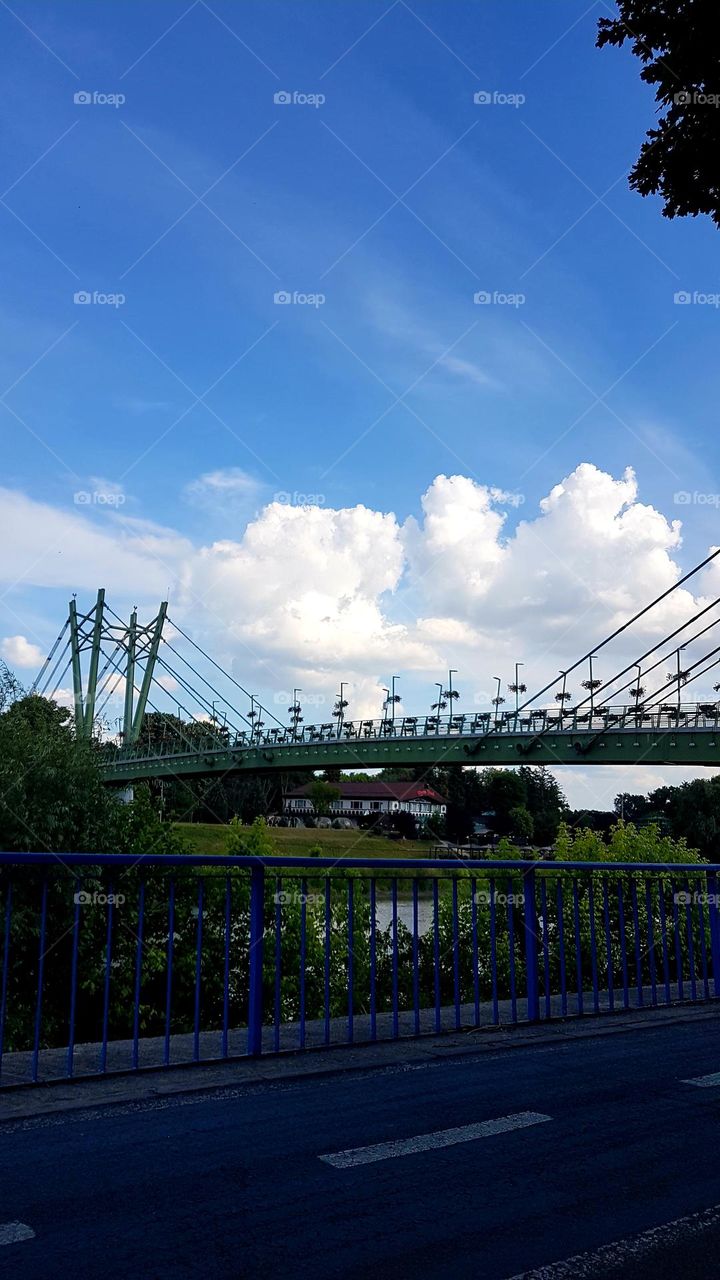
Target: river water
[383,910]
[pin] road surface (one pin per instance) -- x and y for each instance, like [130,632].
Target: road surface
[485,1165]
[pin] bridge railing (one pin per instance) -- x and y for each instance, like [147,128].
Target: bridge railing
[665,716]
[112,963]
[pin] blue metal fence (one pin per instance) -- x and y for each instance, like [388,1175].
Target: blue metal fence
[113,963]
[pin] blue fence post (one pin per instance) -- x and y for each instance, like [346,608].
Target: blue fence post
[531,948]
[257,929]
[714,920]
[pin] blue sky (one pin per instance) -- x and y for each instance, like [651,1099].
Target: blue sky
[397,199]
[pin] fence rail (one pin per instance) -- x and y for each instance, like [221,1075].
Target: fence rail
[117,963]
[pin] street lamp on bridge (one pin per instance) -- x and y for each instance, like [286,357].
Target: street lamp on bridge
[498,699]
[340,705]
[295,713]
[391,699]
[564,694]
[441,704]
[517,688]
[591,685]
[449,694]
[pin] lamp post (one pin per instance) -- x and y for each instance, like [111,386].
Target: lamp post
[679,677]
[392,699]
[295,710]
[637,693]
[497,700]
[517,688]
[439,705]
[340,706]
[562,696]
[450,693]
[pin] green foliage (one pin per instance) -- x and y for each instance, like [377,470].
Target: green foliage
[51,795]
[626,843]
[257,841]
[521,823]
[322,795]
[677,43]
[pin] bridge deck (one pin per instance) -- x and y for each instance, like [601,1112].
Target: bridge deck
[688,737]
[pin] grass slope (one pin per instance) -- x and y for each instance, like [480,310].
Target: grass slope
[206,837]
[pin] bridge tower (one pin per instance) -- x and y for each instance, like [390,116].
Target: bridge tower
[133,651]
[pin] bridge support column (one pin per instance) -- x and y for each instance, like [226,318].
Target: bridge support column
[531,948]
[257,930]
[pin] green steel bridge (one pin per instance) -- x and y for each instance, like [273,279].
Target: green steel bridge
[640,715]
[615,737]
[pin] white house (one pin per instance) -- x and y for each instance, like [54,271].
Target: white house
[358,798]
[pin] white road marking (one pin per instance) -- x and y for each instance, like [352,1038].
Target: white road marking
[600,1262]
[13,1232]
[431,1141]
[705,1082]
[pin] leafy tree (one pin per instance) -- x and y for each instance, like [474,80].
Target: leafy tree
[677,42]
[51,794]
[10,687]
[521,823]
[544,801]
[322,795]
[631,807]
[693,811]
[255,841]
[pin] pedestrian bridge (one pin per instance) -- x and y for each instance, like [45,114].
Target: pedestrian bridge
[625,713]
[686,735]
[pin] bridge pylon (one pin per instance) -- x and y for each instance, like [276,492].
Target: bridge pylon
[127,649]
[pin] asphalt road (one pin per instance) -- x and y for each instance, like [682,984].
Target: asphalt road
[555,1151]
